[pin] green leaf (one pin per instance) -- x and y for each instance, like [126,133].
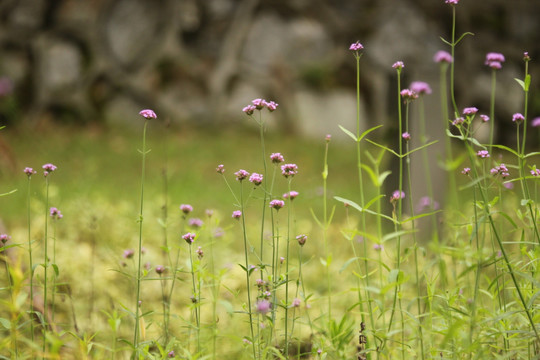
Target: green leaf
[55,267]
[532,154]
[348,133]
[370,202]
[371,174]
[383,177]
[383,147]
[421,147]
[460,137]
[5,323]
[368,131]
[506,148]
[527,82]
[359,208]
[521,83]
[347,263]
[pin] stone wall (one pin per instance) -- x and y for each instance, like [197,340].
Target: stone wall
[201,61]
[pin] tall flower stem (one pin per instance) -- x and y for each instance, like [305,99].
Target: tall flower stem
[265,197]
[139,254]
[45,266]
[30,259]
[492,106]
[452,64]
[195,299]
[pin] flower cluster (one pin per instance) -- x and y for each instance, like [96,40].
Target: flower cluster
[196,222]
[189,237]
[29,171]
[277,204]
[458,121]
[442,56]
[484,118]
[408,95]
[451,2]
[237,214]
[55,213]
[241,174]
[148,114]
[256,179]
[128,254]
[483,154]
[470,111]
[4,238]
[398,65]
[420,88]
[397,195]
[356,46]
[48,168]
[518,118]
[535,171]
[289,170]
[494,60]
[466,171]
[160,269]
[220,169]
[186,208]
[200,253]
[259,104]
[301,239]
[500,170]
[290,195]
[535,122]
[406,136]
[264,306]
[277,158]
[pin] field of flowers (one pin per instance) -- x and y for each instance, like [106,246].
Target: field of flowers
[245,244]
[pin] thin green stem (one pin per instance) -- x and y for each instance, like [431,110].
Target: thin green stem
[30,260]
[45,266]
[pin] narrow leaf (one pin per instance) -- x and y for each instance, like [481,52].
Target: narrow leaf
[368,131]
[352,136]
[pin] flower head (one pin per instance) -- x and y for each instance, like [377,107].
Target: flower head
[301,239]
[289,170]
[426,202]
[189,237]
[483,154]
[535,122]
[397,195]
[256,179]
[296,302]
[258,103]
[48,168]
[535,171]
[200,253]
[356,46]
[420,87]
[408,95]
[398,65]
[442,56]
[526,56]
[249,109]
[148,114]
[160,269]
[518,118]
[277,158]
[171,354]
[220,169]
[484,118]
[237,214]
[271,106]
[290,195]
[29,171]
[494,60]
[406,136]
[277,204]
[186,208]
[458,121]
[327,138]
[4,238]
[451,2]
[500,170]
[466,171]
[195,222]
[128,254]
[378,247]
[263,306]
[470,111]
[55,213]
[241,174]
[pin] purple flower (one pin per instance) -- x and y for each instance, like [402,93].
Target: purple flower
[296,302]
[535,171]
[281,259]
[356,46]
[241,174]
[171,354]
[526,56]
[263,306]
[237,214]
[195,222]
[500,170]
[4,238]
[466,171]
[200,253]
[209,212]
[128,254]
[256,179]
[189,237]
[258,103]
[249,109]
[483,154]
[458,121]
[406,136]
[271,106]
[55,213]
[29,171]
[277,204]
[148,114]
[301,239]
[494,60]
[470,111]
[426,202]
[378,247]
[398,65]
[292,195]
[327,138]
[277,158]
[220,169]
[484,118]
[408,95]
[442,56]
[186,208]
[535,122]
[397,195]
[48,168]
[420,87]
[518,118]
[160,269]
[451,2]
[289,170]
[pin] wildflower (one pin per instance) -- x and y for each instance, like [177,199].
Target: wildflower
[466,171]
[148,114]
[258,103]
[535,171]
[220,169]
[442,56]
[171,354]
[458,121]
[249,109]
[470,111]
[128,254]
[484,118]
[277,158]
[196,222]
[277,204]
[246,341]
[494,60]
[508,185]
[200,252]
[281,259]
[290,195]
[241,174]
[186,208]
[535,122]
[29,171]
[147,265]
[356,46]
[289,170]
[260,282]
[267,294]
[426,202]
[48,168]
[301,239]
[420,87]
[398,65]
[500,170]
[55,213]
[408,95]
[406,136]
[209,212]
[518,118]
[237,214]
[327,138]
[160,269]
[4,238]
[256,179]
[483,154]
[189,237]
[397,195]
[296,302]
[271,106]
[263,306]
[526,56]
[451,2]
[378,247]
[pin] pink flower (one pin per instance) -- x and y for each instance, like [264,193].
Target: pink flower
[378,247]
[249,109]
[277,158]
[237,214]
[483,154]
[29,171]
[398,65]
[458,121]
[484,118]
[220,169]
[451,2]
[327,138]
[494,60]
[466,171]
[195,222]
[470,111]
[263,306]
[277,204]
[356,46]
[4,238]
[55,213]
[526,56]
[406,136]
[271,106]
[186,208]
[289,170]
[535,122]
[518,118]
[189,237]
[292,195]
[128,254]
[397,195]
[296,302]
[200,252]
[48,168]
[500,170]
[420,87]
[148,114]
[256,179]
[301,239]
[426,202]
[160,269]
[442,56]
[241,174]
[408,95]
